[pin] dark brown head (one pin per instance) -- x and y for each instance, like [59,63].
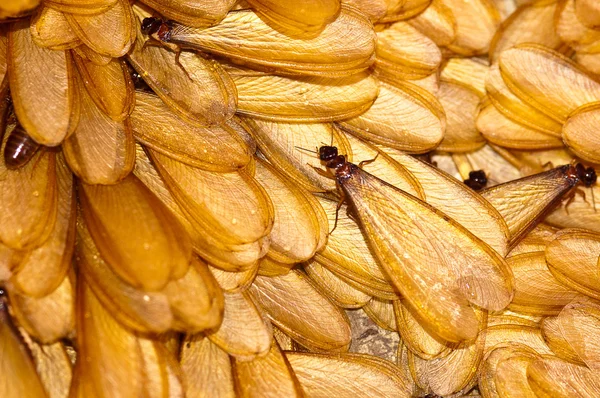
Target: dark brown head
[162,28]
[586,175]
[326,153]
[477,180]
[151,25]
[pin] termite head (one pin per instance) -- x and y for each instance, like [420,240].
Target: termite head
[327,153]
[477,180]
[157,26]
[578,173]
[586,175]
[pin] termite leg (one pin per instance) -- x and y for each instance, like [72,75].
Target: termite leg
[177,54]
[549,163]
[364,162]
[320,171]
[152,42]
[572,198]
[337,209]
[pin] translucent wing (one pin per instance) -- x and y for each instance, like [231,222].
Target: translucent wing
[437,265]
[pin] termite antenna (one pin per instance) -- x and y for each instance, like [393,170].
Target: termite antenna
[593,200]
[306,150]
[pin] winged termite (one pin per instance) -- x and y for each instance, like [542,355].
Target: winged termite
[197,89]
[386,214]
[477,180]
[350,33]
[19,149]
[524,202]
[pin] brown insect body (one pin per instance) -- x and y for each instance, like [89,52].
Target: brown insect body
[579,173]
[19,148]
[336,163]
[157,26]
[477,180]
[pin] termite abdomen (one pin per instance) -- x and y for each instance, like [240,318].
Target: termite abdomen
[19,148]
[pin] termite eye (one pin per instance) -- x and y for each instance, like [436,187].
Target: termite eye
[327,153]
[151,25]
[590,177]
